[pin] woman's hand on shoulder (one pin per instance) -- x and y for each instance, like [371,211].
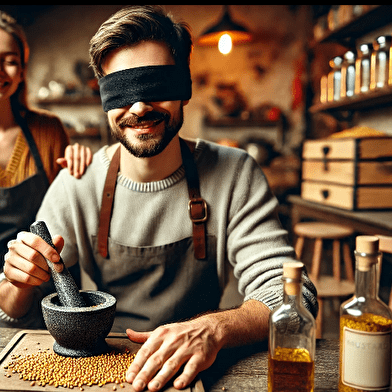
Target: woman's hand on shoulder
[76,158]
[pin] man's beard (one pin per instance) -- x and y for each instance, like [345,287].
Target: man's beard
[150,145]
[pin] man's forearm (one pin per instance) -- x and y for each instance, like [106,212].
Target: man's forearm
[246,324]
[15,302]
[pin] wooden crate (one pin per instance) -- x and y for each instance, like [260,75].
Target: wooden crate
[348,173]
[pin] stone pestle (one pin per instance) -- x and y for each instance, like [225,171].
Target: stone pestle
[67,290]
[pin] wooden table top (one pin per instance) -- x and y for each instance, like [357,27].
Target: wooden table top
[366,221]
[246,368]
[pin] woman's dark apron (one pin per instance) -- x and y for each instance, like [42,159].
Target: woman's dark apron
[159,284]
[19,204]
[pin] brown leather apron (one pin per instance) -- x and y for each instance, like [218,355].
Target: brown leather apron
[159,284]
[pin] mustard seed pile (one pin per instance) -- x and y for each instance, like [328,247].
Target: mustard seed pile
[48,368]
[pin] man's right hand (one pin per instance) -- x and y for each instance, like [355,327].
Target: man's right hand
[24,263]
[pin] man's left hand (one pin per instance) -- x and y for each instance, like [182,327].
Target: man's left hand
[192,343]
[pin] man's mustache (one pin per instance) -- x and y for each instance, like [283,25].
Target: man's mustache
[134,120]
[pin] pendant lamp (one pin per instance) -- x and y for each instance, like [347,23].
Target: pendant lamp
[226,29]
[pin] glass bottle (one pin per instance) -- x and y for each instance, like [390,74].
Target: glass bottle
[379,76]
[292,338]
[362,68]
[334,79]
[348,75]
[323,88]
[365,327]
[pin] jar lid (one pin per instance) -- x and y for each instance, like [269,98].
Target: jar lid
[336,62]
[365,48]
[349,56]
[383,41]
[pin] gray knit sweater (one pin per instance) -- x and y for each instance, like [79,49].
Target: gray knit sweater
[242,217]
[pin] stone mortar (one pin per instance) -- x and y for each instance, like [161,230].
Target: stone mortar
[80,332]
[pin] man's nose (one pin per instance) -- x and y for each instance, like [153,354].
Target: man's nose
[140,108]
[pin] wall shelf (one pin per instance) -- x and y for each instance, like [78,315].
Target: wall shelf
[369,100]
[375,18]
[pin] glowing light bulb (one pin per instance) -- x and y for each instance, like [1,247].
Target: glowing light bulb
[225,44]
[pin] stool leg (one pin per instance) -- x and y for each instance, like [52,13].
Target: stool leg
[336,259]
[319,319]
[299,247]
[316,261]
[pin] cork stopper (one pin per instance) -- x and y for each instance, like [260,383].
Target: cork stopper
[293,272]
[367,244]
[366,252]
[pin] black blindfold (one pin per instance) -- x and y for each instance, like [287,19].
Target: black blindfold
[152,83]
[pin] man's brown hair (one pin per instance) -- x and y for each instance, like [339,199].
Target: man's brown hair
[134,24]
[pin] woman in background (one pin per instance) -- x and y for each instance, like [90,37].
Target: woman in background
[33,144]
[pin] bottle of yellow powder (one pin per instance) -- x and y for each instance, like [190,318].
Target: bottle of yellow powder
[365,327]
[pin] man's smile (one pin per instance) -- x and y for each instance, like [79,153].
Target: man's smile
[144,124]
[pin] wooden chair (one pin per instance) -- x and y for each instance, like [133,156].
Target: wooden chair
[385,246]
[328,286]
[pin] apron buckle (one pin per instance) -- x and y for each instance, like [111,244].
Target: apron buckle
[197,210]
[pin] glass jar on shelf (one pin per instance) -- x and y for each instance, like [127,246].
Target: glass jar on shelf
[348,75]
[334,79]
[362,68]
[380,74]
[323,88]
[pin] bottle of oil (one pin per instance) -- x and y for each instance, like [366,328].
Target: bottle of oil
[292,342]
[365,327]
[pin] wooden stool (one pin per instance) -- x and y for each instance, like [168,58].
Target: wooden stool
[328,287]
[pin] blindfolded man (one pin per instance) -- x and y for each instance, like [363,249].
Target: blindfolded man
[182,212]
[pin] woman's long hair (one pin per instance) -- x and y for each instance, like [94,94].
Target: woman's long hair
[9,25]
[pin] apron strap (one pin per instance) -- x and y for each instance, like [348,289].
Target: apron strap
[107,203]
[32,145]
[197,206]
